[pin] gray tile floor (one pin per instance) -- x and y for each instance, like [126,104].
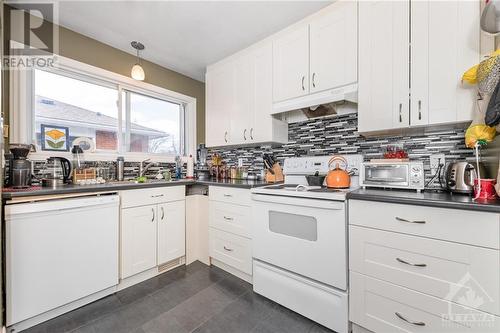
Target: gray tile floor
[195,298]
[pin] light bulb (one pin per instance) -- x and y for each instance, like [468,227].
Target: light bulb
[137,73]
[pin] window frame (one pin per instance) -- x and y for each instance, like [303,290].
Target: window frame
[128,112]
[22,112]
[83,78]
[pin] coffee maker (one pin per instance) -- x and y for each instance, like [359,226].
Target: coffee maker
[201,168]
[19,175]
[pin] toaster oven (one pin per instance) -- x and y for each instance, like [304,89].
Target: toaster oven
[402,175]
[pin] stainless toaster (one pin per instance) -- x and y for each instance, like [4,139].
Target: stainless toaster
[460,176]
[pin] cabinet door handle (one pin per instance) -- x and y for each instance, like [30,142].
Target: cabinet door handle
[162,213]
[410,264]
[225,136]
[228,249]
[227,218]
[153,217]
[408,221]
[400,112]
[251,133]
[419,110]
[245,134]
[416,323]
[313,81]
[303,87]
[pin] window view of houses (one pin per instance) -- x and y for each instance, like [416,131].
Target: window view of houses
[90,110]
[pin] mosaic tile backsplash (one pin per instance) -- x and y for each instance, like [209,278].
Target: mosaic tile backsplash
[338,135]
[319,137]
[107,170]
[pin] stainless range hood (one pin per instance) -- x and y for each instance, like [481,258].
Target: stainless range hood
[347,93]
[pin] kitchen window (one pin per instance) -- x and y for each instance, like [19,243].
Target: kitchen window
[87,110]
[153,125]
[117,115]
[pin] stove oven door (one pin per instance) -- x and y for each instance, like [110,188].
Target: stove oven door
[304,236]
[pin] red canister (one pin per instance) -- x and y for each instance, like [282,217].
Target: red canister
[487,189]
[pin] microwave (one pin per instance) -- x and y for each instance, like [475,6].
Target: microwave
[387,174]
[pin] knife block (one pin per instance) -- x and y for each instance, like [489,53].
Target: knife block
[278,174]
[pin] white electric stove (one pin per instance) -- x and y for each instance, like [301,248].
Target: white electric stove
[296,169]
[300,242]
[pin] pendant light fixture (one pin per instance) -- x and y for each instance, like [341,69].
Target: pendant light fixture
[137,72]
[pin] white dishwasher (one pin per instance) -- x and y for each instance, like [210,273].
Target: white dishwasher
[59,251]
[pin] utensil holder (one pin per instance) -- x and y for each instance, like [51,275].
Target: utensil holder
[278,174]
[84,174]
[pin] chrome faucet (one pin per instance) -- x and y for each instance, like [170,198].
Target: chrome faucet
[143,168]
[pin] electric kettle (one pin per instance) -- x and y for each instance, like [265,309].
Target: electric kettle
[57,172]
[338,177]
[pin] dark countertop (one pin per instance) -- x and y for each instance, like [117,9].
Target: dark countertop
[125,185]
[426,198]
[239,183]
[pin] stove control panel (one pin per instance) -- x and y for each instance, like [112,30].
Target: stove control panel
[312,164]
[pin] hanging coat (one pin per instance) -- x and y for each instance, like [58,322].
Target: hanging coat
[492,117]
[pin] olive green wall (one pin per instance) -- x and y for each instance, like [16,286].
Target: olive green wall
[90,51]
[79,47]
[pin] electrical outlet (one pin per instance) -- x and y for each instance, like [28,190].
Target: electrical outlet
[436,160]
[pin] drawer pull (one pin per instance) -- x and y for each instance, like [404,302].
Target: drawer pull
[408,221]
[416,323]
[227,218]
[228,195]
[157,196]
[228,249]
[409,263]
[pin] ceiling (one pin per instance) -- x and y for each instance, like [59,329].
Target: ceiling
[184,36]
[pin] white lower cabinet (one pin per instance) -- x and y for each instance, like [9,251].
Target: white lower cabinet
[384,307]
[426,265]
[171,231]
[152,234]
[138,240]
[231,249]
[423,269]
[230,243]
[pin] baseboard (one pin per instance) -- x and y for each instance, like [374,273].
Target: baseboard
[25,324]
[359,329]
[146,275]
[244,276]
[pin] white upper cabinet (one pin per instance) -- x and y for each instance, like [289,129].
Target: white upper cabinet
[264,127]
[262,122]
[333,47]
[242,112]
[444,42]
[291,64]
[239,100]
[383,97]
[440,53]
[219,105]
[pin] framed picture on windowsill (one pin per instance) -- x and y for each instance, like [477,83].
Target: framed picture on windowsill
[55,138]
